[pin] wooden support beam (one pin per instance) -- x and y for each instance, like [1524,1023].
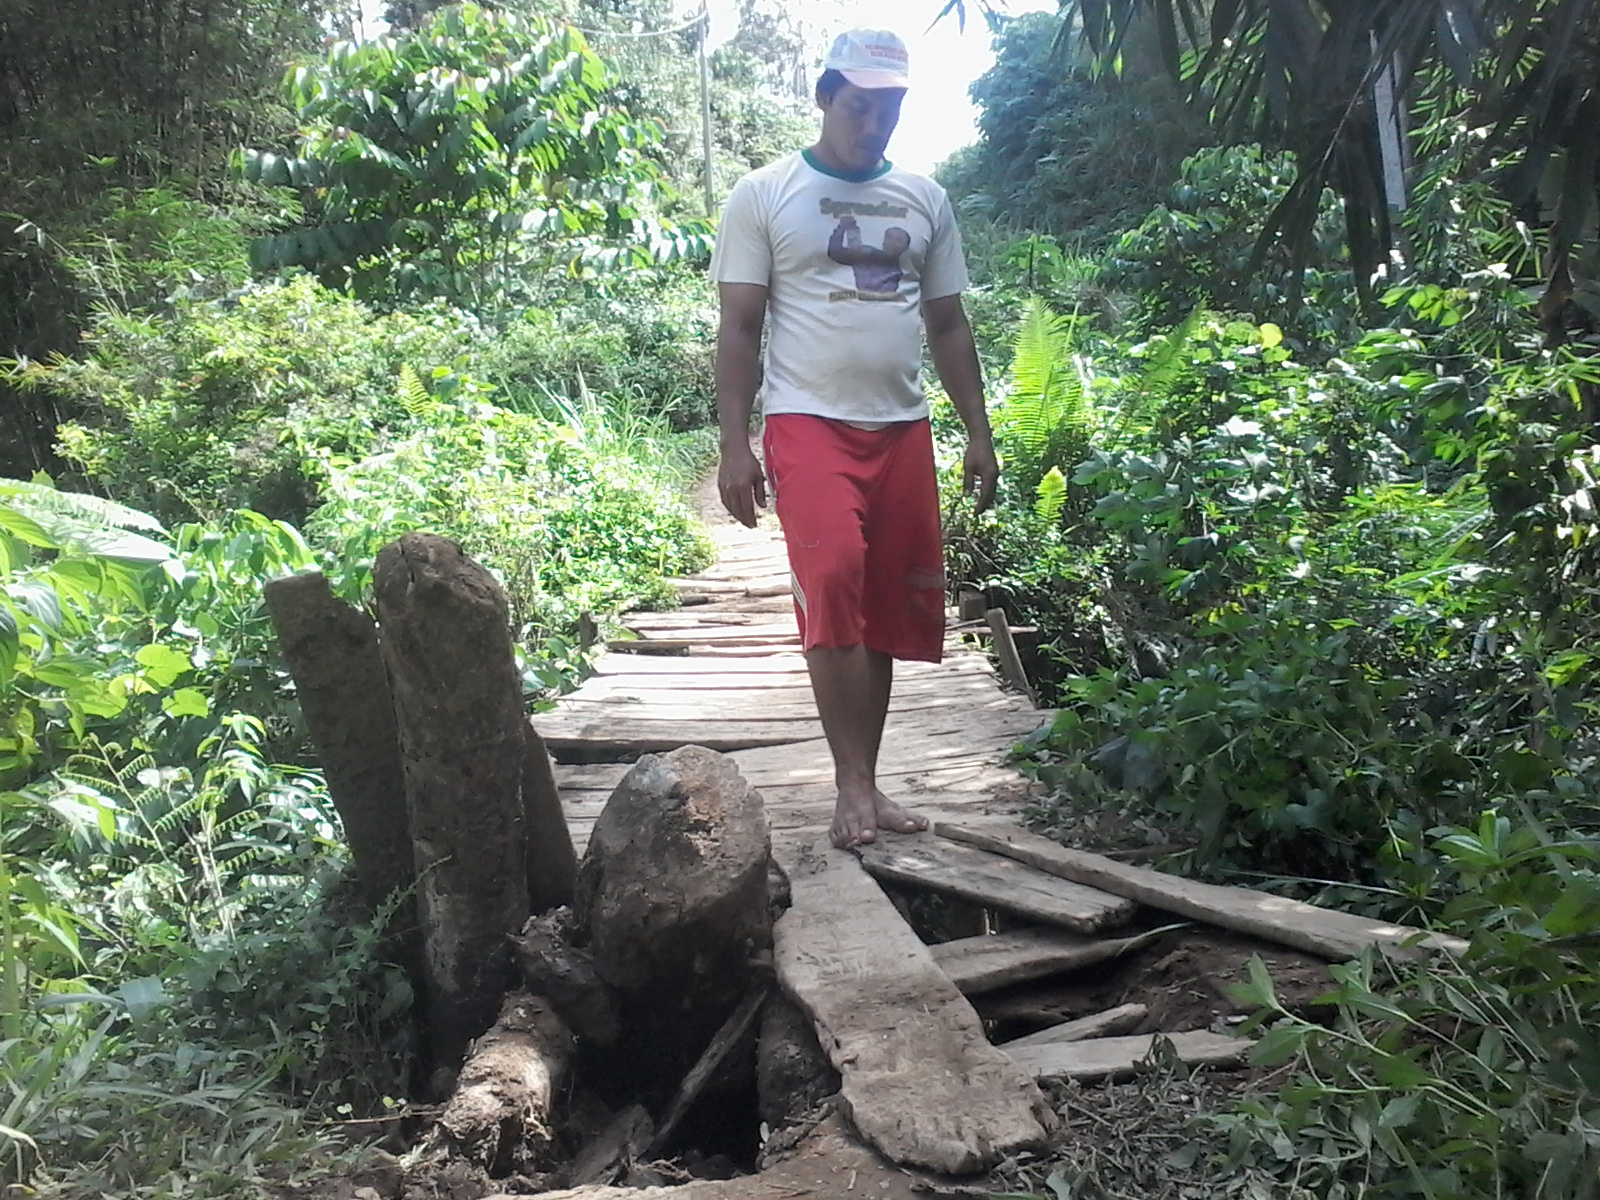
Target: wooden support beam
[1113,1021]
[1331,934]
[923,861]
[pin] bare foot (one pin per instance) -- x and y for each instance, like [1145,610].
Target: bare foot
[855,818]
[891,816]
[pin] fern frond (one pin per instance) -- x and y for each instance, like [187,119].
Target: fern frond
[1168,362]
[1051,495]
[412,393]
[1043,376]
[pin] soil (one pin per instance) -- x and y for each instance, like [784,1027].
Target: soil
[1183,979]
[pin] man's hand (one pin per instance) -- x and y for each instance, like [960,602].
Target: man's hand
[980,472]
[743,484]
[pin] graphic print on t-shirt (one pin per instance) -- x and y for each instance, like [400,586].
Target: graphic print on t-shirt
[878,270]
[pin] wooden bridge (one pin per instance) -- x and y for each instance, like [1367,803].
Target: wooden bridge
[920,1080]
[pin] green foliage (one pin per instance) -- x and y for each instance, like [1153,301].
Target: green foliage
[1472,1078]
[1065,153]
[104,107]
[1046,415]
[1200,248]
[645,337]
[563,512]
[206,410]
[447,161]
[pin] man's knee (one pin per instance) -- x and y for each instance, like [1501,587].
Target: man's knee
[834,568]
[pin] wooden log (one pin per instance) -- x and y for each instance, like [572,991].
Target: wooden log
[733,1030]
[564,974]
[1331,934]
[1113,1021]
[1119,1057]
[673,897]
[552,862]
[332,653]
[499,1115]
[988,963]
[924,861]
[458,709]
[920,1080]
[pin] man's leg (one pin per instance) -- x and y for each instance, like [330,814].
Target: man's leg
[903,598]
[818,470]
[852,689]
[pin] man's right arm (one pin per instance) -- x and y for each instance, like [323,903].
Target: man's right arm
[739,475]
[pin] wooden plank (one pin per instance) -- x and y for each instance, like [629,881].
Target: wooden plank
[611,664]
[923,861]
[566,733]
[955,681]
[921,1082]
[1333,935]
[1119,1057]
[740,706]
[616,664]
[988,963]
[1110,1023]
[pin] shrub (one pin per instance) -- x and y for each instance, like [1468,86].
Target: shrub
[210,409]
[569,528]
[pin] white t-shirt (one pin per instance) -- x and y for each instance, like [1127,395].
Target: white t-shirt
[848,265]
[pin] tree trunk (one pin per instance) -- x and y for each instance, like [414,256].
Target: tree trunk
[457,702]
[332,653]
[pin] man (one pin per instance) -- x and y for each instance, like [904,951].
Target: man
[851,257]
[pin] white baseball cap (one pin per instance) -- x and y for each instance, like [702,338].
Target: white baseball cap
[870,58]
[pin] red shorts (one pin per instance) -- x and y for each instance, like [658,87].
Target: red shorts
[860,515]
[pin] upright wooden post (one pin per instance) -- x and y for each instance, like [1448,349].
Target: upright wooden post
[447,644]
[332,653]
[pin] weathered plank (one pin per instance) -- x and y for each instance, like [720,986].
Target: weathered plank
[567,732]
[1333,935]
[758,706]
[939,866]
[1118,1057]
[1111,1022]
[986,964]
[921,1082]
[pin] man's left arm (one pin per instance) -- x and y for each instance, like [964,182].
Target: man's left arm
[955,358]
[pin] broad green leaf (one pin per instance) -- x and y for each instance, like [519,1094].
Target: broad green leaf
[187,702]
[162,663]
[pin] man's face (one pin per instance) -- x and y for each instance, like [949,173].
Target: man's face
[858,122]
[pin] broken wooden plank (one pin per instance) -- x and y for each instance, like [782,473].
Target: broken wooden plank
[1111,1022]
[607,1158]
[939,866]
[1326,932]
[1005,650]
[1119,1057]
[988,963]
[921,1082]
[732,1032]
